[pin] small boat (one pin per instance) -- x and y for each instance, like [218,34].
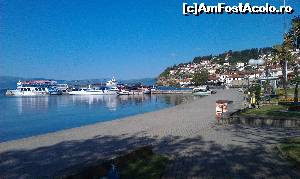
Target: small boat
[125,92]
[153,88]
[202,91]
[147,91]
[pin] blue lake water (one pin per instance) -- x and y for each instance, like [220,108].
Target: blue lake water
[28,116]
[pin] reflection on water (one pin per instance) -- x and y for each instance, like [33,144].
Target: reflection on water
[27,116]
[109,101]
[28,104]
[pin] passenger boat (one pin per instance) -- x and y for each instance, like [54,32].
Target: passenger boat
[32,88]
[93,91]
[202,91]
[109,89]
[112,83]
[28,91]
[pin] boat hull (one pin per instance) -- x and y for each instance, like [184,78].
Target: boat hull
[147,92]
[92,93]
[125,93]
[25,93]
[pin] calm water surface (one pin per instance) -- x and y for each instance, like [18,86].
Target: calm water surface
[28,116]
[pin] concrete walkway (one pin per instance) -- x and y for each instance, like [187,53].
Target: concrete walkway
[187,133]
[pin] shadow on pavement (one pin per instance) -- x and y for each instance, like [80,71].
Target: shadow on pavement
[189,156]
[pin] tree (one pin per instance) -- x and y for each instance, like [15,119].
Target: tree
[200,78]
[295,34]
[166,72]
[295,31]
[281,54]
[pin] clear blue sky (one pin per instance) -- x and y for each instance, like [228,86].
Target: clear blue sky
[80,39]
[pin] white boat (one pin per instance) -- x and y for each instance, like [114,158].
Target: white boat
[109,89]
[114,89]
[202,91]
[28,91]
[147,91]
[31,88]
[111,83]
[125,92]
[62,87]
[153,88]
[93,91]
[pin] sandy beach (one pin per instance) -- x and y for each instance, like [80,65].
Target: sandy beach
[187,133]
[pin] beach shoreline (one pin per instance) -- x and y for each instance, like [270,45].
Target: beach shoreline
[92,130]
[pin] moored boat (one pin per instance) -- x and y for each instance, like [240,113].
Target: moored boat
[28,91]
[32,88]
[110,89]
[93,91]
[112,83]
[147,91]
[125,92]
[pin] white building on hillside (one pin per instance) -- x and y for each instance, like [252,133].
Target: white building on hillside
[240,65]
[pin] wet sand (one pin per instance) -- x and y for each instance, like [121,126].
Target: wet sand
[187,133]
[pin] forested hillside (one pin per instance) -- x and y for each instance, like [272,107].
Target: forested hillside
[229,56]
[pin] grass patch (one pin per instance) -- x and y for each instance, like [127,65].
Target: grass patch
[141,163]
[290,148]
[146,167]
[271,110]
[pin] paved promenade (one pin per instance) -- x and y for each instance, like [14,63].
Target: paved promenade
[187,133]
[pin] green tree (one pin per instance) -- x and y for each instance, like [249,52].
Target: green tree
[281,54]
[295,37]
[200,78]
[295,31]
